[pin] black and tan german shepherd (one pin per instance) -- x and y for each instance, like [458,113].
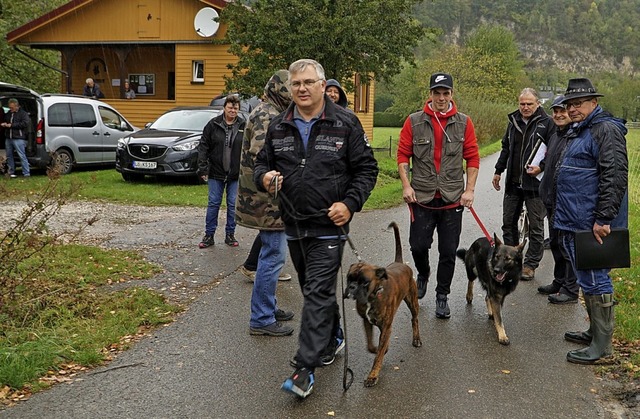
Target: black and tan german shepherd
[378,292]
[498,268]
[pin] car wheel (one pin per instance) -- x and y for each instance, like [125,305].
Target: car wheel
[63,161]
[132,177]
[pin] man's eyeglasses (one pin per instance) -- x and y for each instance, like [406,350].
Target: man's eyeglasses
[577,103]
[307,83]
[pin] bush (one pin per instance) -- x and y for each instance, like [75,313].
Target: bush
[489,118]
[387,119]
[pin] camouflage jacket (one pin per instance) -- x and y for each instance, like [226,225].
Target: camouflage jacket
[257,209]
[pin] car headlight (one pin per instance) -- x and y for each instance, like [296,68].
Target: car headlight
[191,145]
[123,142]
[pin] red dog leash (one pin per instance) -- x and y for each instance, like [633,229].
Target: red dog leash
[482,227]
[456,205]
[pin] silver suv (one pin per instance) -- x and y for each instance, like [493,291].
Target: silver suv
[68,130]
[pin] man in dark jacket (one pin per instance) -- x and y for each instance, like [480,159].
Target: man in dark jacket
[528,127]
[16,124]
[591,194]
[92,89]
[219,166]
[318,156]
[564,288]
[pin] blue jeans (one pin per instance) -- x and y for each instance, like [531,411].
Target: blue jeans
[270,263]
[216,189]
[592,281]
[19,145]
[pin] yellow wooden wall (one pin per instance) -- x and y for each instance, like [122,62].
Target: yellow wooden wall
[215,59]
[122,21]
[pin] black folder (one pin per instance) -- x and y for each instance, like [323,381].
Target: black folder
[612,253]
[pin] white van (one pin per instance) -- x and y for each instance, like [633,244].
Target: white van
[68,130]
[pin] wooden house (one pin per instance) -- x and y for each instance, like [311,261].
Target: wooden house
[163,48]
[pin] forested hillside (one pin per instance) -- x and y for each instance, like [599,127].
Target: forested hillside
[572,35]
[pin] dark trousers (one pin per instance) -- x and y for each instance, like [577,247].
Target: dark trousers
[563,274]
[317,262]
[251,263]
[511,209]
[448,223]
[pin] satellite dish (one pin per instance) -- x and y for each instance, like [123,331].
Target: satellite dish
[205,22]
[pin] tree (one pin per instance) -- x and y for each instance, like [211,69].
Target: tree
[17,68]
[348,37]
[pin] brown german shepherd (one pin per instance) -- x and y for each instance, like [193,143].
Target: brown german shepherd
[498,268]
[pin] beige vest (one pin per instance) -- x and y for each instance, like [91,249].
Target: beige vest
[424,179]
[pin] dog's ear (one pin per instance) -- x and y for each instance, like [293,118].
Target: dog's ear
[521,246]
[496,240]
[381,273]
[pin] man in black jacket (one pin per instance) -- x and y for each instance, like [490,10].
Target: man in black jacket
[219,166]
[16,124]
[318,156]
[528,127]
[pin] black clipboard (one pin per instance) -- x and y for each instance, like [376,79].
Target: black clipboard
[612,253]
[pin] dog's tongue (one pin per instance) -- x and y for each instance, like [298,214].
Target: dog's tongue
[500,276]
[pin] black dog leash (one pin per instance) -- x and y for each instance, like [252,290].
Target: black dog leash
[347,373]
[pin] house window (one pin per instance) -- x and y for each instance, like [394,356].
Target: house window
[198,71]
[361,95]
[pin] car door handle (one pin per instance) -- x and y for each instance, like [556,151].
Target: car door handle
[107,134]
[96,133]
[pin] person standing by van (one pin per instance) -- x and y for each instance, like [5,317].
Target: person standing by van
[16,122]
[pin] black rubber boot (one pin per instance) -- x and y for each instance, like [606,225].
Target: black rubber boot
[585,337]
[602,323]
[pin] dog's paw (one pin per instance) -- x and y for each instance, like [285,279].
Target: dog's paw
[504,341]
[370,381]
[417,342]
[373,349]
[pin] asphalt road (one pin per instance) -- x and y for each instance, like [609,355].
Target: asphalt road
[206,365]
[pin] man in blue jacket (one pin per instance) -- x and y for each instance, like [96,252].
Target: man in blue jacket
[318,156]
[591,194]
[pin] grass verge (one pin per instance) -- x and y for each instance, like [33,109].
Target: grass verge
[61,317]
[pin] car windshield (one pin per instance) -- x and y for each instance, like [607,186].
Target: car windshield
[185,119]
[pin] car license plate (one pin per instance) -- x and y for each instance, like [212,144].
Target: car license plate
[144,164]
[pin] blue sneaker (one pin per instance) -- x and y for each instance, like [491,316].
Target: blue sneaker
[338,345]
[300,383]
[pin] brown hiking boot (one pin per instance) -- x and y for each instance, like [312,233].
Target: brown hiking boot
[528,273]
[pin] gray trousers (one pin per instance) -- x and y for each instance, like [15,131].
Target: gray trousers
[511,208]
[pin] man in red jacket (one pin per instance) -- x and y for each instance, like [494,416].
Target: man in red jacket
[435,141]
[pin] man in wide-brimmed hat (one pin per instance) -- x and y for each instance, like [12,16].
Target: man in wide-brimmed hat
[591,194]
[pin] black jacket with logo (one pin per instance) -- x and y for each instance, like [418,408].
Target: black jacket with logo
[337,166]
[539,127]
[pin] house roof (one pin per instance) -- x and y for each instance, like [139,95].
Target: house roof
[69,7]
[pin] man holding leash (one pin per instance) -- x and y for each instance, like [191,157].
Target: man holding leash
[317,156]
[591,194]
[437,140]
